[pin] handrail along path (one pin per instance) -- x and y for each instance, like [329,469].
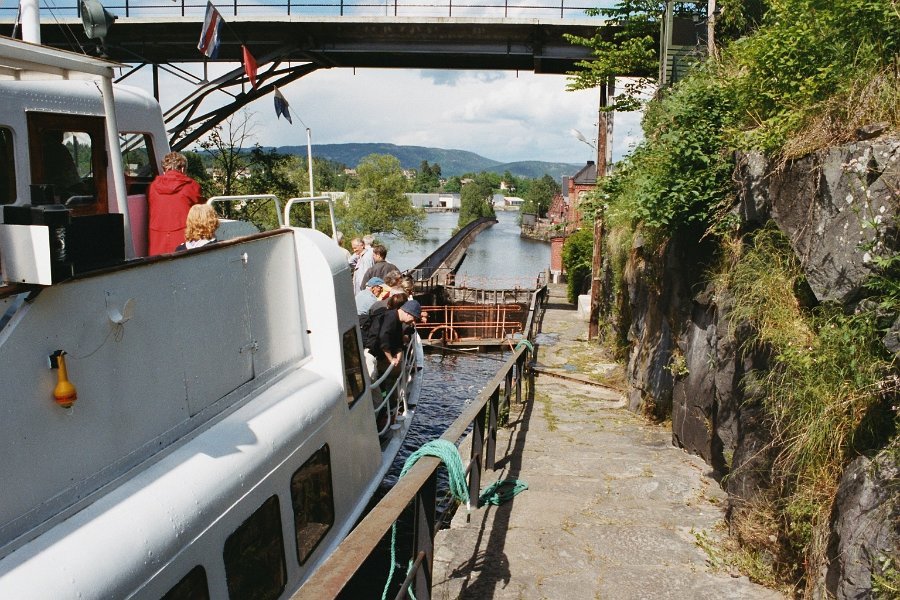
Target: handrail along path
[419,485]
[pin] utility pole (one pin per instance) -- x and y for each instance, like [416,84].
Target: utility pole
[604,122]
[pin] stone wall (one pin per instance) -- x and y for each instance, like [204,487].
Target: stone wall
[838,208]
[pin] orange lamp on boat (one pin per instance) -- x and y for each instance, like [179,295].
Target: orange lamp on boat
[64,393]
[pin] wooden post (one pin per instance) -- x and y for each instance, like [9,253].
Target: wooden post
[603,144]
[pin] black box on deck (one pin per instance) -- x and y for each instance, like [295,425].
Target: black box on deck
[95,241]
[17,215]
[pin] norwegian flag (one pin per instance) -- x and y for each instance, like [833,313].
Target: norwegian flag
[209,37]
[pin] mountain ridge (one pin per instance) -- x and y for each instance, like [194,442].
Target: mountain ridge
[452,162]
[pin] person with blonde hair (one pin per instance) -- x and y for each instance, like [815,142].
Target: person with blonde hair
[169,198]
[200,228]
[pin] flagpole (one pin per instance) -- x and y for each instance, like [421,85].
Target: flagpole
[312,205]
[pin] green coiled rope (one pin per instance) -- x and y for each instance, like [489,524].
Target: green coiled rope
[501,491]
[495,494]
[525,343]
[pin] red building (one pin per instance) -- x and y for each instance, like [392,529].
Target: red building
[565,210]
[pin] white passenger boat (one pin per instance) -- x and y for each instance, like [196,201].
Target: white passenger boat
[191,425]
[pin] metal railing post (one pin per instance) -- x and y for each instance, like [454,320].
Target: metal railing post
[491,450]
[520,363]
[426,501]
[477,456]
[507,389]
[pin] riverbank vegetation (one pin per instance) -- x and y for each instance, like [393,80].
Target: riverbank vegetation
[789,77]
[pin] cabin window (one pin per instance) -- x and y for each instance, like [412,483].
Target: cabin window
[7,167]
[312,497]
[255,566]
[68,162]
[139,161]
[353,377]
[192,586]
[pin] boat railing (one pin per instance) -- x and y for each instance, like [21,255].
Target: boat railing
[419,487]
[311,200]
[394,399]
[241,201]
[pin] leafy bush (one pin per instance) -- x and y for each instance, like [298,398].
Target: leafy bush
[805,77]
[577,255]
[680,174]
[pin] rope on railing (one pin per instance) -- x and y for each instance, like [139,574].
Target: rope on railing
[449,455]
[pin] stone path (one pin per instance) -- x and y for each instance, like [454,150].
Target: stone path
[613,510]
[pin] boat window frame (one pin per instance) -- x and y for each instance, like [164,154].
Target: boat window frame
[7,166]
[310,471]
[40,122]
[354,380]
[241,555]
[139,184]
[187,587]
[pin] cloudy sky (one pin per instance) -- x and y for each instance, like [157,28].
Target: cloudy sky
[504,116]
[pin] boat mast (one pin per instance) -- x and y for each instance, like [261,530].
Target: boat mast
[31,21]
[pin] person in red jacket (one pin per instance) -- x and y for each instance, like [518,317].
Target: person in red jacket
[170,197]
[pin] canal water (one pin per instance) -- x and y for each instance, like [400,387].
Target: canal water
[498,257]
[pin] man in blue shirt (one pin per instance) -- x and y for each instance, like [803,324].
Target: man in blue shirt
[366,297]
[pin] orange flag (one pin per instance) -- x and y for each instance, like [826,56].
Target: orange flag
[249,65]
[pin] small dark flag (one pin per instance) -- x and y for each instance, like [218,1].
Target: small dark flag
[250,66]
[282,108]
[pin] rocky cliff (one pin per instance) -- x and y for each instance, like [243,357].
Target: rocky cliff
[686,356]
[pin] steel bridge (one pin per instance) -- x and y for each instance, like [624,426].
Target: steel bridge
[290,39]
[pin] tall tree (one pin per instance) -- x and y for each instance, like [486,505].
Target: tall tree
[379,204]
[476,200]
[539,195]
[428,178]
[225,146]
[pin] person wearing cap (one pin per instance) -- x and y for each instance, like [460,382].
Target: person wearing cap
[386,344]
[369,295]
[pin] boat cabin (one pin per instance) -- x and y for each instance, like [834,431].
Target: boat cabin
[216,435]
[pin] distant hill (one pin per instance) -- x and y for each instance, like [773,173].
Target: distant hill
[452,162]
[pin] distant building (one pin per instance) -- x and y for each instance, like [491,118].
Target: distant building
[444,200]
[580,184]
[565,213]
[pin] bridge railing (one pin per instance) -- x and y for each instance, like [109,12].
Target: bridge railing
[512,9]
